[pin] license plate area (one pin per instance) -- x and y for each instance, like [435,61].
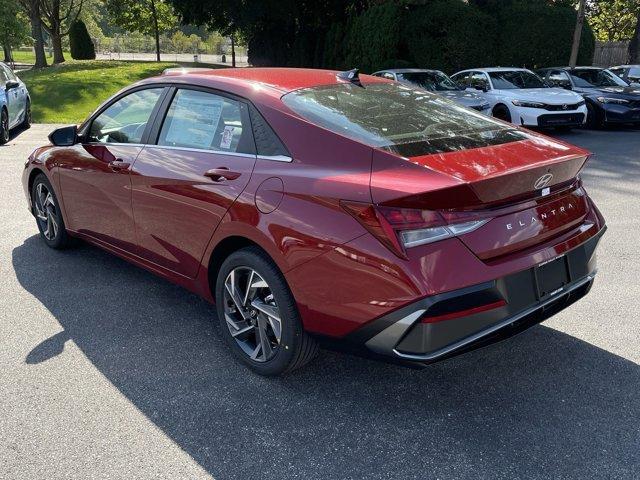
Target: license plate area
[552,276]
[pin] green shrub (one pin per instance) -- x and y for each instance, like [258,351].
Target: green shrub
[80,42]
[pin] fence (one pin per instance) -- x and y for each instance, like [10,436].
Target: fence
[608,54]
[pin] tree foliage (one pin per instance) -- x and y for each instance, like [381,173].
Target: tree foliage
[613,20]
[14,27]
[80,42]
[137,15]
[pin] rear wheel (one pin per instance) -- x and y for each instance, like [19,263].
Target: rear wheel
[258,315]
[502,113]
[4,126]
[48,215]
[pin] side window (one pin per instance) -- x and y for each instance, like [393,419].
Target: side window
[479,80]
[207,121]
[3,76]
[388,75]
[462,79]
[125,120]
[558,78]
[267,142]
[10,74]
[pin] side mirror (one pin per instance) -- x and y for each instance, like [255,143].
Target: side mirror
[64,136]
[11,84]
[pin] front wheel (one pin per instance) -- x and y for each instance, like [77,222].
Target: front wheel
[48,216]
[501,112]
[258,314]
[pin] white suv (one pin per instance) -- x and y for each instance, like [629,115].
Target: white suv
[520,96]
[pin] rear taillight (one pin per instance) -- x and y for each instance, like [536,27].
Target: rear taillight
[402,228]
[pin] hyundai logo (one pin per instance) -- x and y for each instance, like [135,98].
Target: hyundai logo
[543,181]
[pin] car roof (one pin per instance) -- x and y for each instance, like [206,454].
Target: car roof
[495,69]
[276,80]
[626,66]
[408,70]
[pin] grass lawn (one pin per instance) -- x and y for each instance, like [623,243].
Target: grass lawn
[30,57]
[67,93]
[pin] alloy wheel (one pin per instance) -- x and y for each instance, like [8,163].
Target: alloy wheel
[46,212]
[251,313]
[4,127]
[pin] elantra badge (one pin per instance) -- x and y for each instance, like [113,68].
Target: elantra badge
[543,181]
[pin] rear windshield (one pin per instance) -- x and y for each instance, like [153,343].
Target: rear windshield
[515,79]
[399,118]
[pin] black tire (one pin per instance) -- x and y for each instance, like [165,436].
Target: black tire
[4,126]
[502,113]
[26,122]
[594,122]
[295,347]
[55,237]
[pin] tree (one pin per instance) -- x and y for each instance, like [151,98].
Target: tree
[32,9]
[14,28]
[277,32]
[55,15]
[634,44]
[577,33]
[149,17]
[612,20]
[80,42]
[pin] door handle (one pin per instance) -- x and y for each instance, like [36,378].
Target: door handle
[119,165]
[221,174]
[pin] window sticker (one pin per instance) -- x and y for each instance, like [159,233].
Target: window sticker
[194,120]
[227,137]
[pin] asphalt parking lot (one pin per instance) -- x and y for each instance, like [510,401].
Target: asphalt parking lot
[109,372]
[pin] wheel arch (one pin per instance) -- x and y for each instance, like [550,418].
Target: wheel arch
[221,252]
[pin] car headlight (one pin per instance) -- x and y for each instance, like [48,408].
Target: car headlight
[619,101]
[520,103]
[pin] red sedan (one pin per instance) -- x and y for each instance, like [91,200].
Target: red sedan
[318,207]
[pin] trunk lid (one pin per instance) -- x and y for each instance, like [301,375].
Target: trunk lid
[527,190]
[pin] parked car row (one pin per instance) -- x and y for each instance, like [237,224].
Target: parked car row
[559,97]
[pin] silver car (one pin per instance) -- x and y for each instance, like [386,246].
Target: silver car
[437,82]
[15,103]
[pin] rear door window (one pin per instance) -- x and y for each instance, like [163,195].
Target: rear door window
[206,121]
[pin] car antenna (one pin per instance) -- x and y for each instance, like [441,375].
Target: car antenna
[351,76]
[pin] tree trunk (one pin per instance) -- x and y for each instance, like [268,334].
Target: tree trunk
[634,44]
[156,31]
[7,54]
[576,35]
[56,41]
[233,51]
[36,33]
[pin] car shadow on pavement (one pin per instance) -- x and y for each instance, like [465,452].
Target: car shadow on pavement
[544,404]
[13,134]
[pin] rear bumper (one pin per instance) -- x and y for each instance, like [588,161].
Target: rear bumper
[431,329]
